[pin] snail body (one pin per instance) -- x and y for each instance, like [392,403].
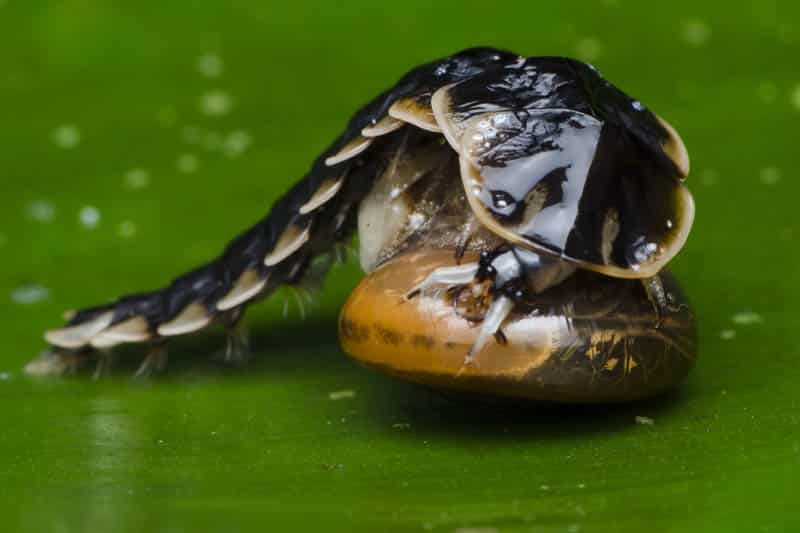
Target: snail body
[589,339]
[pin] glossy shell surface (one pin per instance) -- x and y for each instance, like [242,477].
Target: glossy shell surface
[557,159]
[591,339]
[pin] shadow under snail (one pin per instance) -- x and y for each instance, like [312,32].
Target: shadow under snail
[514,216]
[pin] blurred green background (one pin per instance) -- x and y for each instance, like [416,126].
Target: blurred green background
[137,137]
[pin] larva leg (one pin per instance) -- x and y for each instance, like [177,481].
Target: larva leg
[237,346]
[498,311]
[105,360]
[56,362]
[486,291]
[154,362]
[446,276]
[659,298]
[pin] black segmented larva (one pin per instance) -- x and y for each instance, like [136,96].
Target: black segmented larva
[317,212]
[542,101]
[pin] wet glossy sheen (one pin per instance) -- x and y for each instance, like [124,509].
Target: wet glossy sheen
[266,449]
[558,159]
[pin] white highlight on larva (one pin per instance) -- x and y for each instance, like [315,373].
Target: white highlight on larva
[247,287]
[350,150]
[79,335]
[326,191]
[193,318]
[134,329]
[386,125]
[292,239]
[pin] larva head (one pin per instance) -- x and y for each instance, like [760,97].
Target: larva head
[589,339]
[555,158]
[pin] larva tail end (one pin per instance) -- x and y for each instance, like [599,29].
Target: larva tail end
[56,362]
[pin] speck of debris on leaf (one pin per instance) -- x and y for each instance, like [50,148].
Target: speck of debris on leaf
[137,178]
[212,141]
[187,163]
[191,134]
[210,65]
[42,211]
[709,177]
[126,229]
[237,143]
[342,394]
[727,334]
[796,97]
[767,91]
[588,49]
[645,421]
[401,425]
[167,116]
[746,318]
[67,136]
[30,294]
[770,175]
[89,217]
[5,376]
[216,103]
[696,32]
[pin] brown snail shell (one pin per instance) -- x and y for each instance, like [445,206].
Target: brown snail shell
[591,339]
